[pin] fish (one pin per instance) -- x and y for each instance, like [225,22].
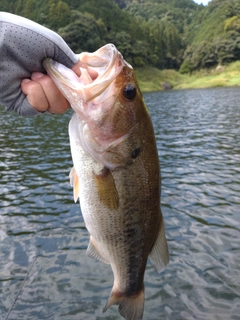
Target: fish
[116,171]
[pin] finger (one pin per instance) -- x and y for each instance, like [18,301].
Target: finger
[76,68]
[35,94]
[56,101]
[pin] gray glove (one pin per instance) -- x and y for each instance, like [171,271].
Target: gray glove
[23,46]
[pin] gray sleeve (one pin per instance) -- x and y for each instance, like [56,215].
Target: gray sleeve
[23,46]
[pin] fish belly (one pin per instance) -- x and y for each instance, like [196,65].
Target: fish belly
[121,210]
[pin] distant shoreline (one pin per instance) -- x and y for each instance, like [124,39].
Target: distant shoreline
[152,79]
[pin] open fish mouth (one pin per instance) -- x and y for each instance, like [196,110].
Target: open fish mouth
[98,71]
[96,97]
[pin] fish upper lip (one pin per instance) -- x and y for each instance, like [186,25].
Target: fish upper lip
[110,65]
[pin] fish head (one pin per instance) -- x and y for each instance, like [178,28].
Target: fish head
[108,104]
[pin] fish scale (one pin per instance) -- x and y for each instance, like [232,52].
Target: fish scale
[116,173]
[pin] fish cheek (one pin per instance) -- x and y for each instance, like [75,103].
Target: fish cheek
[126,151]
[106,189]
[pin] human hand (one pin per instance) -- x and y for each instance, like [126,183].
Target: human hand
[23,45]
[43,94]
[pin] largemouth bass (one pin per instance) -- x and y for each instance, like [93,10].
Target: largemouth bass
[116,173]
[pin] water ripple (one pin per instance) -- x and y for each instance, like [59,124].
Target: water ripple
[43,238]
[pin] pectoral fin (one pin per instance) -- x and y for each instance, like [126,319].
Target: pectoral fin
[159,255]
[74,182]
[93,252]
[107,192]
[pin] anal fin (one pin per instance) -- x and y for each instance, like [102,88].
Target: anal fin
[159,255]
[94,253]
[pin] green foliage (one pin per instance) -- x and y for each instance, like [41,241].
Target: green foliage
[210,22]
[136,52]
[83,33]
[26,8]
[185,67]
[166,43]
[120,3]
[160,33]
[178,12]
[232,23]
[58,15]
[8,5]
[114,19]
[214,36]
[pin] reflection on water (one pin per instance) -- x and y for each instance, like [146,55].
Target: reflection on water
[44,271]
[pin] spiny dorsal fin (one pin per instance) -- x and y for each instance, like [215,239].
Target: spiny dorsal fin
[93,252]
[159,255]
[74,182]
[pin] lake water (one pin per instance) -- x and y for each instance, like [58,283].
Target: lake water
[44,271]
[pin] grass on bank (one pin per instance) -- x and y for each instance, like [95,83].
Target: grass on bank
[152,79]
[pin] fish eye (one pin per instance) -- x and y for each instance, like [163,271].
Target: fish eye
[135,153]
[129,92]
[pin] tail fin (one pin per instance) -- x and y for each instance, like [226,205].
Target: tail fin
[130,307]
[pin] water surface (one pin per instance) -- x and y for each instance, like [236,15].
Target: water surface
[44,271]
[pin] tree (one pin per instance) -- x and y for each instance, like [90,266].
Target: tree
[84,33]
[58,15]
[185,67]
[29,9]
[8,5]
[232,23]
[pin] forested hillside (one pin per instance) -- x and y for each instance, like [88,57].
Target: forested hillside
[161,33]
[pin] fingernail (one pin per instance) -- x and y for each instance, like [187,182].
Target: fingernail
[26,80]
[37,75]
